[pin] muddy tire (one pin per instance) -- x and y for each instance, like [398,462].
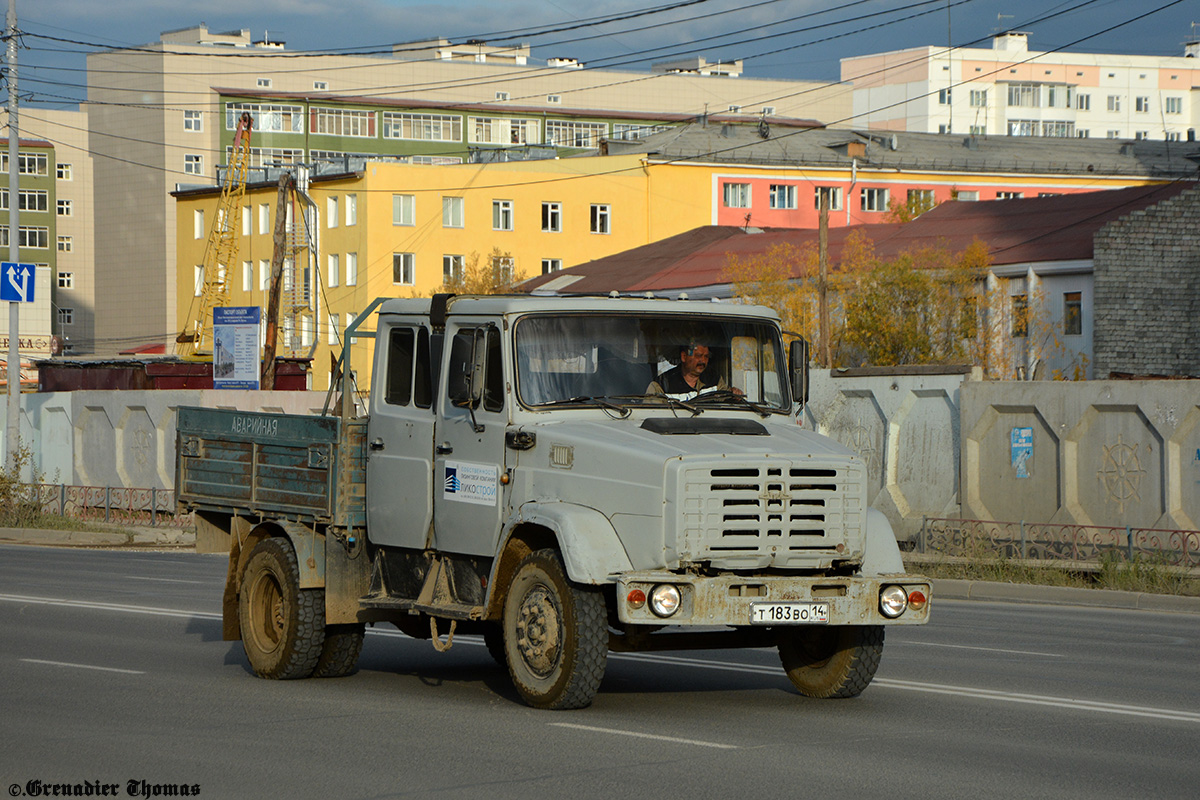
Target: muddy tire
[555,635]
[283,626]
[339,655]
[830,662]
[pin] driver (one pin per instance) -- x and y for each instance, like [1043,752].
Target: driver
[685,379]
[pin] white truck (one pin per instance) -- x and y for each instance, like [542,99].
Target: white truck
[529,472]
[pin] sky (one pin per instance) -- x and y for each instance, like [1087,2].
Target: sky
[795,39]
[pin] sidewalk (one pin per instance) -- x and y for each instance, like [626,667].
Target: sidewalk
[943,588]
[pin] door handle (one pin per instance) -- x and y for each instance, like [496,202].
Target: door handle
[377,444]
[444,449]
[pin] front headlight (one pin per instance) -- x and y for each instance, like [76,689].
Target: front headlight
[664,599]
[893,601]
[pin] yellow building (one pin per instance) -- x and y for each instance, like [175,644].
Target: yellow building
[398,230]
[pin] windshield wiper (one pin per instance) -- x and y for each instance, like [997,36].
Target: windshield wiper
[724,395]
[601,400]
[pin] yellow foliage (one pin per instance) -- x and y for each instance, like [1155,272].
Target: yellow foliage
[496,275]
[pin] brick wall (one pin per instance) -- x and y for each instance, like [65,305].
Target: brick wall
[1147,291]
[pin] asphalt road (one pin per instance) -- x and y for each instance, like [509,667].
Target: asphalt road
[112,670]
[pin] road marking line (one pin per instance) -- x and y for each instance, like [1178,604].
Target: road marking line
[163,580]
[638,735]
[914,686]
[55,601]
[82,666]
[986,649]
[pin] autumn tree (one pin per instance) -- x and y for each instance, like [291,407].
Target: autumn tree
[780,278]
[916,204]
[496,274]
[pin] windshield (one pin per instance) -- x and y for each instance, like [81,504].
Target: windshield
[726,360]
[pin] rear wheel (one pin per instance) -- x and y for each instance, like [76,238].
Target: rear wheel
[339,655]
[831,661]
[555,635]
[283,626]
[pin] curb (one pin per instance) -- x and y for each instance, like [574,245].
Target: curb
[117,537]
[952,589]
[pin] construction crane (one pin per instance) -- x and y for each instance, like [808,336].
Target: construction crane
[221,250]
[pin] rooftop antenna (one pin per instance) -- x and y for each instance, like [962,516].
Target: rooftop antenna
[1000,22]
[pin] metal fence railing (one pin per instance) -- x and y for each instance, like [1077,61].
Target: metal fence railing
[1057,541]
[112,504]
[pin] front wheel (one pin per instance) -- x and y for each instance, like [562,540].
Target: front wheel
[283,626]
[555,635]
[831,662]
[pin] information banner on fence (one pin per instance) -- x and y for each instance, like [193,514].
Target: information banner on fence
[236,347]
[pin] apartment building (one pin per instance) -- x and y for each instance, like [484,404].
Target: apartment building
[37,204]
[157,119]
[1012,90]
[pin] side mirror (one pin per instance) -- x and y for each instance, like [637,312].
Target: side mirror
[798,368]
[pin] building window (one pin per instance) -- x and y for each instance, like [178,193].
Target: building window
[552,217]
[247,276]
[944,129]
[27,164]
[735,109]
[978,98]
[66,280]
[1022,127]
[452,269]
[453,212]
[1072,313]
[1083,102]
[834,193]
[503,131]
[193,121]
[193,164]
[335,269]
[264,83]
[33,236]
[874,199]
[737,195]
[403,269]
[63,172]
[422,127]
[1172,136]
[331,212]
[503,267]
[1059,97]
[944,97]
[551,265]
[27,200]
[334,323]
[1009,195]
[600,218]
[198,230]
[967,195]
[351,209]
[1140,135]
[1172,105]
[247,219]
[783,196]
[321,86]
[1058,129]
[502,215]
[66,316]
[198,279]
[768,111]
[978,130]
[628,132]
[264,218]
[1114,102]
[501,96]
[553,98]
[267,117]
[1020,316]
[1024,95]
[1082,133]
[921,198]
[343,122]
[65,244]
[351,269]
[1141,104]
[404,209]
[1114,135]
[569,133]
[264,274]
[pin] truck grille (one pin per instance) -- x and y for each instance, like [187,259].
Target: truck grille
[776,514]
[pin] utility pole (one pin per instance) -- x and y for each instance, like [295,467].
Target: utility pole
[13,428]
[823,280]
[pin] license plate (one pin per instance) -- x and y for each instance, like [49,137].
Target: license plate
[789,613]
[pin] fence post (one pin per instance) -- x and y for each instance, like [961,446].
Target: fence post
[62,499]
[153,506]
[1129,543]
[1024,550]
[107,501]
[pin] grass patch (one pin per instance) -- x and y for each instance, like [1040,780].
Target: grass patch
[1151,575]
[19,508]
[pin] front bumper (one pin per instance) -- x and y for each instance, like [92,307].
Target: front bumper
[727,599]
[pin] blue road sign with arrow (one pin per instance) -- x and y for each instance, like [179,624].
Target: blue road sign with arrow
[17,282]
